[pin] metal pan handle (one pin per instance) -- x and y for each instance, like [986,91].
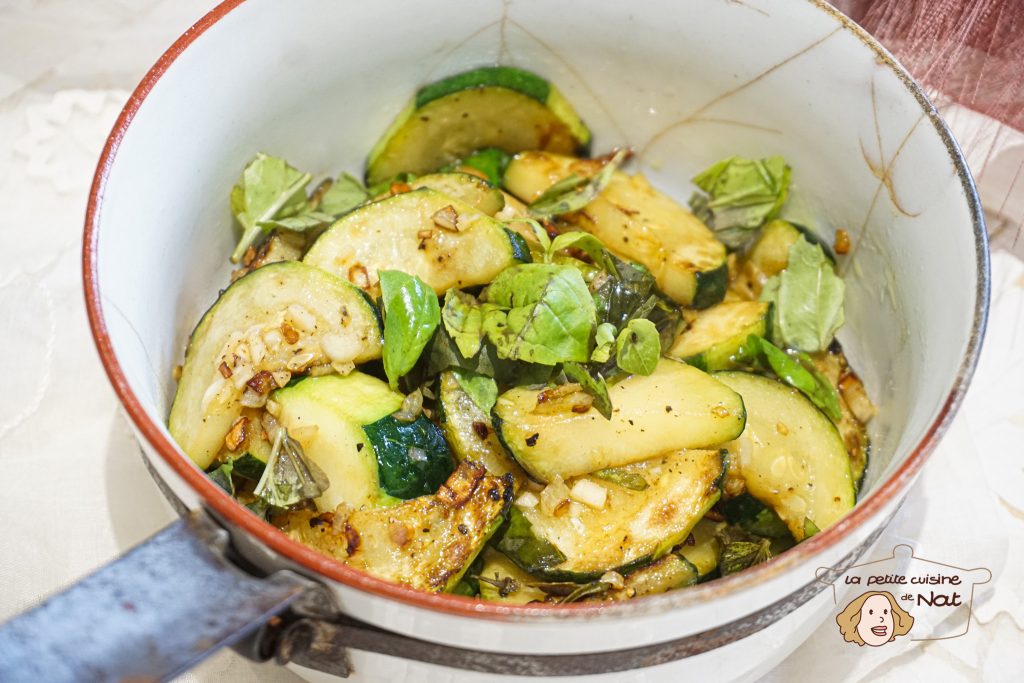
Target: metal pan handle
[151,614]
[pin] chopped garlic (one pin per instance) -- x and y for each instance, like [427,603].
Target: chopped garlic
[300,361]
[273,407]
[589,493]
[527,500]
[303,319]
[554,499]
[340,348]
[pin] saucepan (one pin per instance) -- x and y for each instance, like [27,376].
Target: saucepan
[682,83]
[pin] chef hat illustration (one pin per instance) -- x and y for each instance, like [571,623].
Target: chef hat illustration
[938,596]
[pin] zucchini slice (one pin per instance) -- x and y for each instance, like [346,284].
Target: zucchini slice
[325,415]
[281,319]
[670,572]
[633,528]
[404,232]
[717,337]
[471,189]
[677,406]
[470,432]
[855,406]
[790,455]
[501,107]
[703,554]
[427,542]
[636,222]
[345,426]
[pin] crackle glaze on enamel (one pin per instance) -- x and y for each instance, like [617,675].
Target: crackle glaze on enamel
[684,84]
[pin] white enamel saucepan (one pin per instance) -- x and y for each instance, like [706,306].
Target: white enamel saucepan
[684,83]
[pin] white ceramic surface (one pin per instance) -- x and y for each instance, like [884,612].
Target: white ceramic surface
[685,83]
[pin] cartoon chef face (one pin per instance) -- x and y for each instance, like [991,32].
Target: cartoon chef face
[876,622]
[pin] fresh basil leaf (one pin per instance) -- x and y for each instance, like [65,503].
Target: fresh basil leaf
[290,477]
[742,195]
[566,185]
[413,458]
[753,516]
[638,347]
[797,369]
[268,190]
[443,354]
[629,293]
[481,389]
[604,340]
[411,314]
[543,313]
[490,161]
[587,590]
[740,555]
[573,193]
[808,299]
[593,385]
[634,481]
[586,243]
[463,319]
[521,544]
[304,221]
[344,195]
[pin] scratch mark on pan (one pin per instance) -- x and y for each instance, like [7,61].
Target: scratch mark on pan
[741,124]
[504,56]
[883,171]
[740,3]
[447,53]
[696,114]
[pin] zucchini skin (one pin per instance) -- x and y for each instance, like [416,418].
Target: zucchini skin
[521,81]
[718,338]
[339,407]
[711,287]
[520,249]
[400,475]
[490,107]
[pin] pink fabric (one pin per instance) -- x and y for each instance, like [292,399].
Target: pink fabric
[967,51]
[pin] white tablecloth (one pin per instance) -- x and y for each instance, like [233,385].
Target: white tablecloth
[76,493]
